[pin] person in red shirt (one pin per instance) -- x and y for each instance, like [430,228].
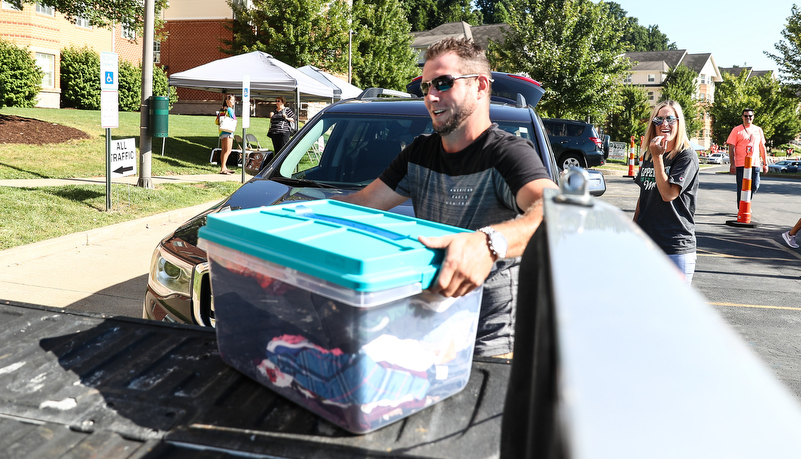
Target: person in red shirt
[742,138]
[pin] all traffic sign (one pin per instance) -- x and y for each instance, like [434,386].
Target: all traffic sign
[123,157]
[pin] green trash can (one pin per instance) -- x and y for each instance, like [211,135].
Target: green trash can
[159,115]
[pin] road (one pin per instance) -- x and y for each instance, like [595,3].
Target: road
[748,275]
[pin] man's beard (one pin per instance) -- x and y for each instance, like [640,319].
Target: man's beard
[459,114]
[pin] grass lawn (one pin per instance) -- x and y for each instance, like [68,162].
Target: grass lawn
[30,215]
[186,150]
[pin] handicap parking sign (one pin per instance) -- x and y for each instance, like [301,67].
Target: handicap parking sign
[109,66]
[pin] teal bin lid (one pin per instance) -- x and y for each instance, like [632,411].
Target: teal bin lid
[360,248]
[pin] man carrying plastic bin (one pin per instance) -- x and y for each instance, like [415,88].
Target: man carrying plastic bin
[470,174]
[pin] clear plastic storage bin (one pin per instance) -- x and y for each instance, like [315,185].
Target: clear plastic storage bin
[325,303]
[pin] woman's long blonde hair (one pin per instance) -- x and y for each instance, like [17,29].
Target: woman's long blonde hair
[682,140]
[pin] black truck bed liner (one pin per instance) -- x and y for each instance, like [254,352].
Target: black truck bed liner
[76,385]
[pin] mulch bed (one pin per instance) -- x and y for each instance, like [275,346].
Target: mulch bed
[16,129]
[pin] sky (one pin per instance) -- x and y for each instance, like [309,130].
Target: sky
[736,34]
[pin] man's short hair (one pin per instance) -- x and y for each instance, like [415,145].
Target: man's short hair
[473,59]
[748,110]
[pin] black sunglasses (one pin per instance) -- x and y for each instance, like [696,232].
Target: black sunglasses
[748,116]
[443,83]
[671,120]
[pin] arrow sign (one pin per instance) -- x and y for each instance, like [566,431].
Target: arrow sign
[122,170]
[123,157]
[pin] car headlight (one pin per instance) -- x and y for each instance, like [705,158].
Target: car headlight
[170,275]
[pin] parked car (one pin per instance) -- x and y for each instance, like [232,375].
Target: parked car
[784,166]
[341,150]
[575,143]
[718,158]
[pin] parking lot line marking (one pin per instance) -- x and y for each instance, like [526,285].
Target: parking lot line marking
[759,306]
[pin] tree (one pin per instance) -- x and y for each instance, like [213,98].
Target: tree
[789,49]
[101,13]
[572,47]
[630,118]
[460,10]
[20,77]
[422,14]
[639,38]
[296,32]
[680,86]
[383,56]
[774,104]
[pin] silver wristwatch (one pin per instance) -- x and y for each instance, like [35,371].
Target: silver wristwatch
[495,242]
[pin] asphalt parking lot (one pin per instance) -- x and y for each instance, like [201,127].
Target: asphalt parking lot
[748,275]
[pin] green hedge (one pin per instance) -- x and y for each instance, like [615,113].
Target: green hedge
[20,77]
[80,81]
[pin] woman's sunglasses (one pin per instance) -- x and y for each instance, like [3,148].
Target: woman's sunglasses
[671,120]
[443,83]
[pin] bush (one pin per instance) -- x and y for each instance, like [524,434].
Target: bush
[80,78]
[80,82]
[20,77]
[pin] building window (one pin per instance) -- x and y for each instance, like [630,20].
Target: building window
[9,6]
[627,79]
[651,77]
[702,79]
[128,33]
[83,22]
[650,95]
[46,62]
[156,51]
[46,10]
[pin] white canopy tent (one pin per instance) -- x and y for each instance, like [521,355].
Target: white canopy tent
[268,77]
[342,89]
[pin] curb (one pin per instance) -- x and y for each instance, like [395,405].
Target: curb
[93,236]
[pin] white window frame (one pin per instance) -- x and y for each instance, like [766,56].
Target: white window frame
[156,51]
[47,62]
[83,23]
[651,78]
[627,79]
[9,6]
[128,33]
[650,95]
[45,10]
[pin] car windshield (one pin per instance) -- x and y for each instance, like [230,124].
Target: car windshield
[353,150]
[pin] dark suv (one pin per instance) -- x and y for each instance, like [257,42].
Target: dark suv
[574,143]
[341,150]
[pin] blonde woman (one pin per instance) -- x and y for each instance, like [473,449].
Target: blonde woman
[668,181]
[226,138]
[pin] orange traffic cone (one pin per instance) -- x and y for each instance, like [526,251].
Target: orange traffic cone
[744,213]
[631,158]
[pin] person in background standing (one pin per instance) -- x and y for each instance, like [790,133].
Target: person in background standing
[279,124]
[226,138]
[743,138]
[668,180]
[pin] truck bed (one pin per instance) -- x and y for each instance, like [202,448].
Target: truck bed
[76,385]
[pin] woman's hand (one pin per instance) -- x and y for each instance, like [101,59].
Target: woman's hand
[658,146]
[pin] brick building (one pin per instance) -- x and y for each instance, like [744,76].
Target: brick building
[45,33]
[195,30]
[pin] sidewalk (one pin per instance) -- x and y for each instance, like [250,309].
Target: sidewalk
[130,180]
[101,270]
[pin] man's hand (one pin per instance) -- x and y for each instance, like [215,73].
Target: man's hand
[466,265]
[732,168]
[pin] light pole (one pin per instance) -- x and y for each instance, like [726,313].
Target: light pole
[145,139]
[350,53]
